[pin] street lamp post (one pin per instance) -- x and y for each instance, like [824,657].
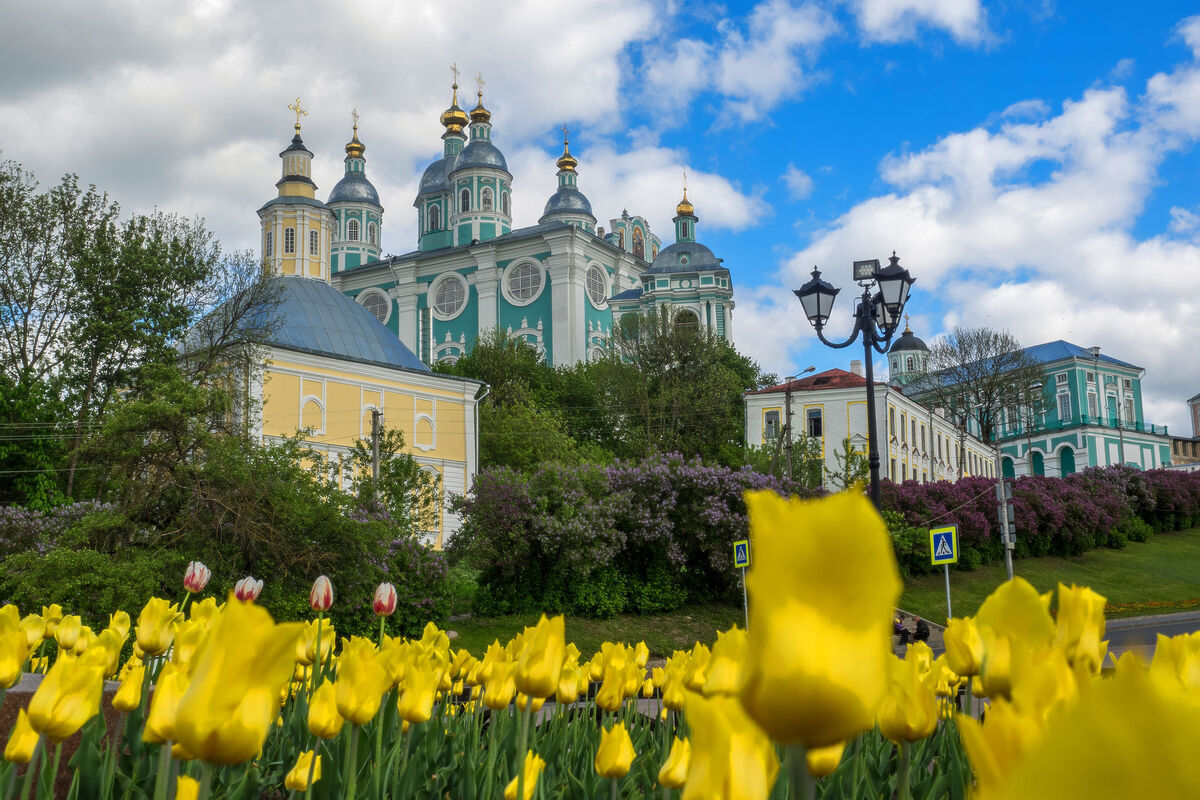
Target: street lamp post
[787,393]
[884,293]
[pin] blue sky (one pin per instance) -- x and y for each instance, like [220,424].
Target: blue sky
[1033,162]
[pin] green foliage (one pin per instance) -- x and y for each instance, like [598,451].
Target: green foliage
[853,468]
[911,544]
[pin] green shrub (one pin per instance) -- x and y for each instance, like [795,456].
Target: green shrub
[658,591]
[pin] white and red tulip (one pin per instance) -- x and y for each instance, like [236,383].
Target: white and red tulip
[384,603]
[247,589]
[196,576]
[321,596]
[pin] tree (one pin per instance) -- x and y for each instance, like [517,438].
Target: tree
[853,467]
[409,494]
[975,373]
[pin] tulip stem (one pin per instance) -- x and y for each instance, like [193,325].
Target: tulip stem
[206,776]
[803,785]
[903,787]
[54,769]
[164,771]
[318,662]
[612,792]
[31,769]
[522,739]
[351,770]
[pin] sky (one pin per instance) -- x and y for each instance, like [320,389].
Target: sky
[1034,163]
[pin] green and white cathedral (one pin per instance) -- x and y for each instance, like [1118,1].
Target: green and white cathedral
[560,284]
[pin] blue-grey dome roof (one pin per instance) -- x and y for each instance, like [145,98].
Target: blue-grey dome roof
[437,176]
[313,317]
[908,341]
[567,199]
[354,188]
[480,153]
[670,259]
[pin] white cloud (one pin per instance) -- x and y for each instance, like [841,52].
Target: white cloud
[1029,226]
[1026,109]
[753,66]
[798,182]
[902,20]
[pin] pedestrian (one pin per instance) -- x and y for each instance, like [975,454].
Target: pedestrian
[902,630]
[922,632]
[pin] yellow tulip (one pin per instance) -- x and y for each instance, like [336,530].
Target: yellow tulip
[306,647]
[297,777]
[732,758]
[238,679]
[1014,623]
[67,632]
[612,688]
[533,767]
[205,611]
[615,755]
[1177,658]
[569,681]
[22,741]
[499,690]
[641,654]
[186,788]
[119,622]
[52,615]
[695,674]
[129,694]
[1080,627]
[35,628]
[324,721]
[908,712]
[725,667]
[189,636]
[943,679]
[540,661]
[531,704]
[822,589]
[647,689]
[964,647]
[1128,736]
[169,689]
[106,650]
[361,681]
[156,626]
[1046,684]
[14,646]
[822,761]
[673,773]
[68,696]
[415,702]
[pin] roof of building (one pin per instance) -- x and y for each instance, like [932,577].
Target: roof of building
[293,199]
[673,257]
[1194,399]
[1060,350]
[629,294]
[908,341]
[569,200]
[480,153]
[354,188]
[313,317]
[437,176]
[829,379]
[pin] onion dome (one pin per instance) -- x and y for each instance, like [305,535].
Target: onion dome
[354,188]
[480,153]
[685,208]
[479,113]
[567,199]
[684,257]
[355,148]
[566,162]
[454,118]
[908,341]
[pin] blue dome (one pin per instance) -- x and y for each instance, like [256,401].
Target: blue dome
[437,176]
[672,259]
[354,188]
[480,153]
[908,341]
[567,199]
[313,317]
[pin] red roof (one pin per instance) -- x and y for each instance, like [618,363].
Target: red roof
[829,379]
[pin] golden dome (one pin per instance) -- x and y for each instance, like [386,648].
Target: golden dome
[685,207]
[454,118]
[566,162]
[355,148]
[479,113]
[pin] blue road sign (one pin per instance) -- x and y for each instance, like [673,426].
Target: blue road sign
[943,545]
[741,554]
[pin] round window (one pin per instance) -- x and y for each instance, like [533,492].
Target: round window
[597,286]
[524,283]
[377,303]
[449,296]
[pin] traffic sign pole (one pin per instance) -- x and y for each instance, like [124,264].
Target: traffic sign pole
[943,549]
[949,613]
[741,560]
[745,599]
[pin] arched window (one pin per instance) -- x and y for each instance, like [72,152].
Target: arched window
[686,320]
[352,230]
[289,240]
[269,244]
[372,234]
[314,243]
[435,218]
[487,199]
[683,229]
[639,243]
[621,238]
[597,286]
[908,364]
[504,203]
[464,200]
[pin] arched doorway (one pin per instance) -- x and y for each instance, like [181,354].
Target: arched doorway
[1039,463]
[1066,461]
[1007,468]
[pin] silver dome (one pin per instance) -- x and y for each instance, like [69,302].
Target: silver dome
[437,176]
[568,200]
[354,188]
[480,153]
[699,258]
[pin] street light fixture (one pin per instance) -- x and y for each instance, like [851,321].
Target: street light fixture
[885,291]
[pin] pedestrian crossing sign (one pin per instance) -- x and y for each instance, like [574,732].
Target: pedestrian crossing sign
[943,545]
[741,554]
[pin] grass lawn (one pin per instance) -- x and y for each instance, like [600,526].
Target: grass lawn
[1164,569]
[663,633]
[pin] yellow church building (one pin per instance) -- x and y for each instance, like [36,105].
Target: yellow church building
[329,362]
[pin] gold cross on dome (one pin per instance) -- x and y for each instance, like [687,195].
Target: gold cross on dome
[354,113]
[299,112]
[565,133]
[454,72]
[685,180]
[480,82]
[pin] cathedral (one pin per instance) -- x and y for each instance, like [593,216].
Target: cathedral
[560,285]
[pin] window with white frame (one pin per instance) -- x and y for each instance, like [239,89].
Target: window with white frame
[504,202]
[814,422]
[486,198]
[289,240]
[464,200]
[1129,409]
[268,244]
[352,230]
[523,283]
[770,424]
[449,296]
[1090,377]
[1060,379]
[1093,405]
[1064,406]
[435,218]
[314,243]
[597,286]
[372,234]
